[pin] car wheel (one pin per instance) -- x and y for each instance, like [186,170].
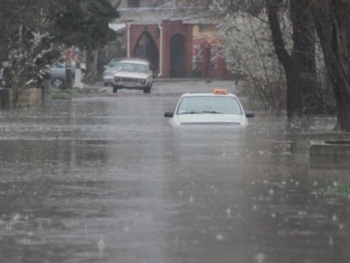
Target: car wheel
[147,89]
[115,88]
[57,82]
[105,84]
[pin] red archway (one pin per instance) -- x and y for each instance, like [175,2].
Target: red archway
[146,48]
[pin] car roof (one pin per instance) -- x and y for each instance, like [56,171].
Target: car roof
[208,94]
[134,60]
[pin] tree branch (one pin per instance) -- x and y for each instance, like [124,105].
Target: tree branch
[277,37]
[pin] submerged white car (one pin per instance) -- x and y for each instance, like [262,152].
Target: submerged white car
[218,108]
[133,74]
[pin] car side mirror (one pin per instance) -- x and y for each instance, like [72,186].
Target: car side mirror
[249,114]
[169,114]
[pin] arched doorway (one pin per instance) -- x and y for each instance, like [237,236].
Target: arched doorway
[177,56]
[146,48]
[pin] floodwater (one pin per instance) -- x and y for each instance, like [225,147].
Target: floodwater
[106,179]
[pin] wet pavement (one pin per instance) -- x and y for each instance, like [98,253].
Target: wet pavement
[106,179]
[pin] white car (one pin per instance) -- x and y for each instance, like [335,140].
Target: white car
[133,74]
[109,71]
[218,108]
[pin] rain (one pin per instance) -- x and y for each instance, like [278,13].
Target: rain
[105,178]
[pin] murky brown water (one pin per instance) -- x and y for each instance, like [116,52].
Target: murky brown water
[108,180]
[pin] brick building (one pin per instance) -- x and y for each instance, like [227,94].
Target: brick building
[172,39]
[167,45]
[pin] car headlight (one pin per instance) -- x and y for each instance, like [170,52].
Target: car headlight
[107,74]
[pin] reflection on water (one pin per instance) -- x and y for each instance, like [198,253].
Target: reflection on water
[108,180]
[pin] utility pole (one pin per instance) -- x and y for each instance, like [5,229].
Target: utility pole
[69,77]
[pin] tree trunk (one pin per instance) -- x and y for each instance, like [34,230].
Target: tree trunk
[294,91]
[304,52]
[300,66]
[294,95]
[332,18]
[90,63]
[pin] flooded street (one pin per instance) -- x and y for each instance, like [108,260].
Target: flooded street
[106,179]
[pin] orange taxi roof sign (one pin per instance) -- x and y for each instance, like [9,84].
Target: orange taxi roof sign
[220,91]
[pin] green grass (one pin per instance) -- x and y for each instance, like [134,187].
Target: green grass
[338,189]
[62,94]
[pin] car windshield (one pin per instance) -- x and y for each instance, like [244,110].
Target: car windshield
[57,65]
[209,104]
[113,64]
[133,67]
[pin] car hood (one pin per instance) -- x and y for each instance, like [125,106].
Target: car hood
[211,119]
[111,69]
[125,74]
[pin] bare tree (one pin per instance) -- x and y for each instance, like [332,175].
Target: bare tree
[250,53]
[300,64]
[298,61]
[133,3]
[332,19]
[27,42]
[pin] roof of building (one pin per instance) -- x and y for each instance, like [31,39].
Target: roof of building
[157,14]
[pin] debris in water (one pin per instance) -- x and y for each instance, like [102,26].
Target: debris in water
[220,237]
[101,245]
[260,258]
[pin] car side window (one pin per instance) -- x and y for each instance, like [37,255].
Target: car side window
[114,64]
